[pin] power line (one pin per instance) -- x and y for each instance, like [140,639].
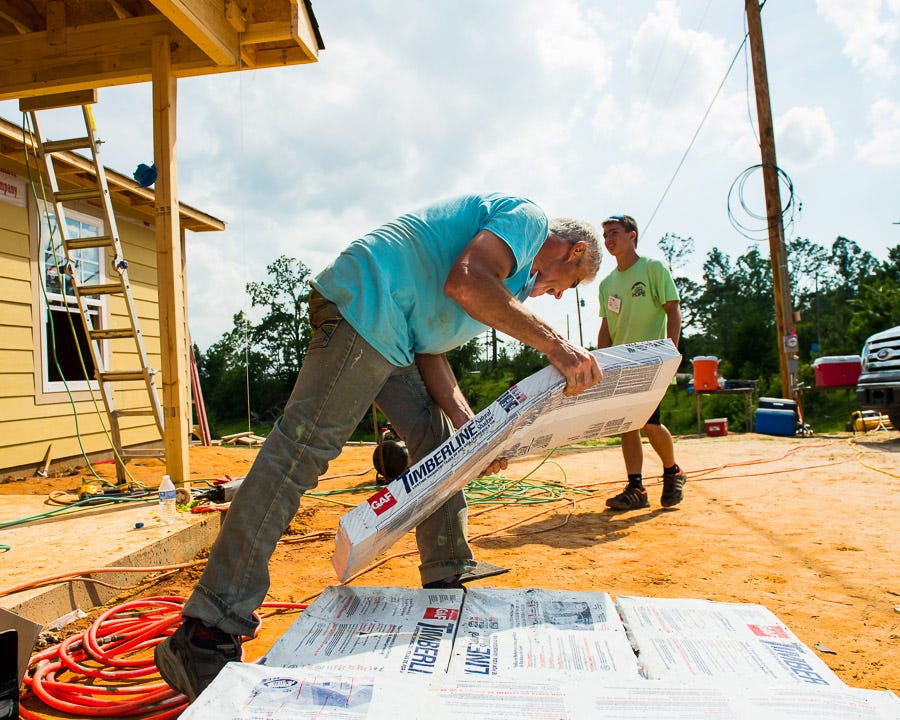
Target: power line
[696,133]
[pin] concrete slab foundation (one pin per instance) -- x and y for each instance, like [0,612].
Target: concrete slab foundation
[120,535]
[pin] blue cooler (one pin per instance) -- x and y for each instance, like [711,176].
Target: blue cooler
[773,403]
[773,421]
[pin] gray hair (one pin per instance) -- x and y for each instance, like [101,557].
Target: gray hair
[575,231]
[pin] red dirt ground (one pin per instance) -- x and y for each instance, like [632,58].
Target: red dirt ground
[804,526]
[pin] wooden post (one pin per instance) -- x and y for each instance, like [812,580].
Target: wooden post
[172,325]
[781,280]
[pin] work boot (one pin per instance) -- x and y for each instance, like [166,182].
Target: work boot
[191,658]
[631,498]
[673,488]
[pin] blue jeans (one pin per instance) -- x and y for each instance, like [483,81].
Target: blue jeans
[341,377]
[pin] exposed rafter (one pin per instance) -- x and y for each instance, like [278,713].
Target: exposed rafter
[19,19]
[81,44]
[121,11]
[206,25]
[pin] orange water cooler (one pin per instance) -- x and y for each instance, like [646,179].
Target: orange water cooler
[706,372]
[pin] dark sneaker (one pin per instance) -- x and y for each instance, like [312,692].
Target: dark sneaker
[191,658]
[631,498]
[673,489]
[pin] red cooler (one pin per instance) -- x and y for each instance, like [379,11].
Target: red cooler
[837,370]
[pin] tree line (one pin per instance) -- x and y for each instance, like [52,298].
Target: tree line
[841,295]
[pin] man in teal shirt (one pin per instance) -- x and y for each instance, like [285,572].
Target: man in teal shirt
[384,314]
[639,301]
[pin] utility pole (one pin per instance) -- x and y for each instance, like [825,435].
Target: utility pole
[578,304]
[781,279]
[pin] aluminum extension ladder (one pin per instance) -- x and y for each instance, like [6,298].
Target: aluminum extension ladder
[110,381]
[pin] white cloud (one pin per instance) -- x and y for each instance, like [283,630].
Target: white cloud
[675,72]
[883,147]
[586,107]
[568,43]
[619,181]
[869,38]
[674,66]
[803,137]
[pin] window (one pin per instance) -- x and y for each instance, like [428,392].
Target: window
[65,343]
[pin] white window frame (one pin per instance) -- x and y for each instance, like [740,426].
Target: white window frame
[89,265]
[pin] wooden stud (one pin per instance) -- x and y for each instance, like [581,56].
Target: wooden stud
[235,15]
[58,100]
[172,323]
[56,22]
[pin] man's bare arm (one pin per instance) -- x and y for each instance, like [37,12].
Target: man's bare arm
[476,282]
[673,321]
[443,388]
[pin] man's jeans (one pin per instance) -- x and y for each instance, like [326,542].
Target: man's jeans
[340,378]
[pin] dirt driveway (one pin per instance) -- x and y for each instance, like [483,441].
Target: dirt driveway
[804,526]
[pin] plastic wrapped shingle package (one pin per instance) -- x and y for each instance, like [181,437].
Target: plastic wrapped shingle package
[530,418]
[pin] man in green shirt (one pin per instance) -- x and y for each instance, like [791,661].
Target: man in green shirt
[639,301]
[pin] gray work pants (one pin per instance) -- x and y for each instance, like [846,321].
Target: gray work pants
[341,376]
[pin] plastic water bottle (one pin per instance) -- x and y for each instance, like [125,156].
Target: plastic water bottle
[167,510]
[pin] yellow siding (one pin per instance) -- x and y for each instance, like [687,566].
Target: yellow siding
[16,384]
[16,337]
[30,418]
[12,316]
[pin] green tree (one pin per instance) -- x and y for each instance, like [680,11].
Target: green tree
[466,358]
[284,331]
[736,315]
[230,371]
[828,301]
[876,306]
[677,251]
[812,276]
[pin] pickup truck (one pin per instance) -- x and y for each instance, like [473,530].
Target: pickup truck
[878,387]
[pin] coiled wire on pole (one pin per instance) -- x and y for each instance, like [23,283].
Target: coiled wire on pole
[759,229]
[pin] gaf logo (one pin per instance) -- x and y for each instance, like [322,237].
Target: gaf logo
[772,631]
[436,613]
[382,501]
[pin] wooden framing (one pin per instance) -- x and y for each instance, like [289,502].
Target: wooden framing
[83,44]
[169,264]
[66,48]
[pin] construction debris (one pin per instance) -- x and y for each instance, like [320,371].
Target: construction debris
[242,438]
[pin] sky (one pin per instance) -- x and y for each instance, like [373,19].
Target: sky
[588,108]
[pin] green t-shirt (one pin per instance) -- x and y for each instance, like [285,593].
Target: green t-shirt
[632,301]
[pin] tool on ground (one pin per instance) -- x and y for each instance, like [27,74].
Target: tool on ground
[45,463]
[223,492]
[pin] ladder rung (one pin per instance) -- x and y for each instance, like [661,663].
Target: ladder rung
[52,146]
[121,375]
[90,242]
[134,411]
[99,289]
[72,195]
[111,333]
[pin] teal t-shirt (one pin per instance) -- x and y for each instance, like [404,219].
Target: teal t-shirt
[632,301]
[389,284]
